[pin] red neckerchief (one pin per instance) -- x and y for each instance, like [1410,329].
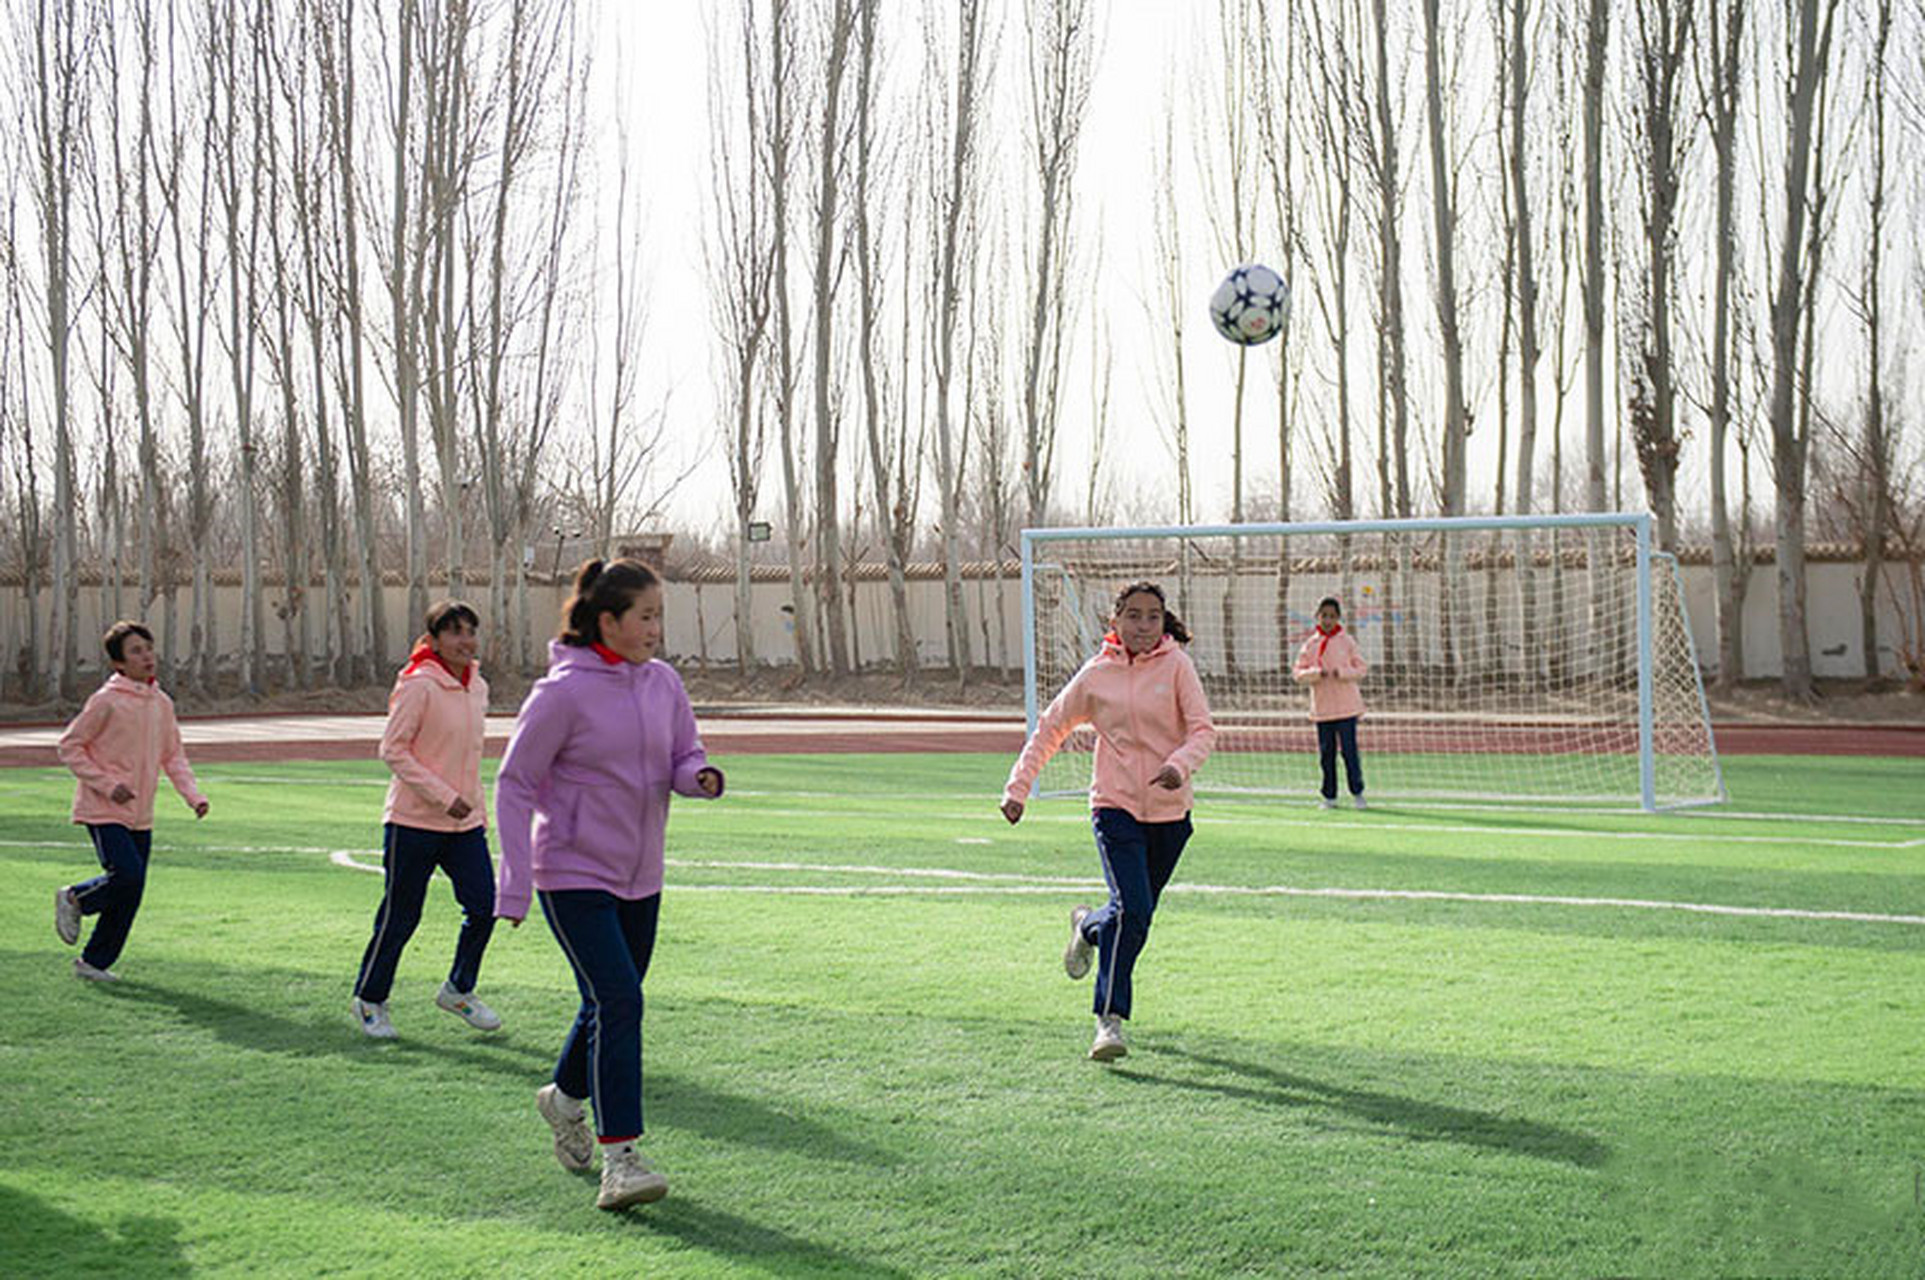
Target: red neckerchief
[608,655]
[1326,639]
[426,653]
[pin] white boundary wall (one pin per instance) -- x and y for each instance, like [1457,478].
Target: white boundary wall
[701,623]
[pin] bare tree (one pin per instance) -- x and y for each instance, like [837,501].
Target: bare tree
[1385,172]
[1811,32]
[1723,46]
[1597,41]
[404,267]
[895,453]
[1661,40]
[1060,44]
[334,46]
[841,18]
[738,259]
[1875,460]
[56,39]
[956,196]
[1170,307]
[779,142]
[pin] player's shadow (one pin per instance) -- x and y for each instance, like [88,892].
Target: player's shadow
[745,1243]
[37,1239]
[732,1117]
[257,1027]
[1415,1118]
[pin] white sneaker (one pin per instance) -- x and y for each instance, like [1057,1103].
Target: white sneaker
[467,1008]
[574,1144]
[1326,804]
[1359,802]
[66,916]
[1108,1044]
[373,1018]
[627,1179]
[84,970]
[1076,956]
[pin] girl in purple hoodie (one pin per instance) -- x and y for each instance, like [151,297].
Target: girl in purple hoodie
[581,804]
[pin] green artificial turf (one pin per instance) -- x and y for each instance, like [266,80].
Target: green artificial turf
[863,1057]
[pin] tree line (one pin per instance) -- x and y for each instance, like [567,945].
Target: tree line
[327,291]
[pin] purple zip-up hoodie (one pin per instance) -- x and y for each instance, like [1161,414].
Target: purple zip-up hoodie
[597,748]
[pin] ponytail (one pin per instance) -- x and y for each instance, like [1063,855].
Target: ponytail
[1172,625]
[601,587]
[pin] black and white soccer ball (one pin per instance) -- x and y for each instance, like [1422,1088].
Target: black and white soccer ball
[1251,306]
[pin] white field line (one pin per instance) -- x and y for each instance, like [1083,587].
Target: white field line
[1330,822]
[1001,883]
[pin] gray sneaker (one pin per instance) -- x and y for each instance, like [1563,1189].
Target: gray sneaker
[463,1005]
[1108,1045]
[1359,802]
[627,1179]
[1326,804]
[66,915]
[88,973]
[574,1144]
[1076,956]
[373,1018]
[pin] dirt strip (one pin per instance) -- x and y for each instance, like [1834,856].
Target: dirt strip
[835,735]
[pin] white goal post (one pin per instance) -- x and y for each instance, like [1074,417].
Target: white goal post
[1512,658]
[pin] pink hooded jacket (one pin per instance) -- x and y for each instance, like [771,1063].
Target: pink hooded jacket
[433,745]
[1332,667]
[581,801]
[125,735]
[1147,710]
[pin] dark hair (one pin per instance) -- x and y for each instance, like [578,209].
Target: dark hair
[1333,602]
[448,613]
[600,588]
[116,638]
[1172,625]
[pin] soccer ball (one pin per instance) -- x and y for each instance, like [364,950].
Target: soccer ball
[1251,306]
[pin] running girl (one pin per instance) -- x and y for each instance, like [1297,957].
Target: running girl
[118,746]
[435,817]
[1331,665]
[600,743]
[1153,731]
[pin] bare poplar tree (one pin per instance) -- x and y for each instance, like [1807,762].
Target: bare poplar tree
[1169,309]
[1597,40]
[404,269]
[1723,54]
[895,453]
[1444,217]
[334,46]
[737,254]
[1060,44]
[1661,38]
[1875,460]
[779,143]
[841,18]
[1810,23]
[1385,171]
[956,195]
[55,37]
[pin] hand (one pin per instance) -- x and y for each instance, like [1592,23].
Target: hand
[121,793]
[1013,810]
[514,922]
[1169,777]
[710,781]
[200,809]
[459,809]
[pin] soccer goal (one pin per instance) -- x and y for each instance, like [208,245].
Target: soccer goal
[1532,659]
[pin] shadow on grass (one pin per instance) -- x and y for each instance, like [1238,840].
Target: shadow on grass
[37,1239]
[743,1243]
[1413,1117]
[732,1117]
[254,1026]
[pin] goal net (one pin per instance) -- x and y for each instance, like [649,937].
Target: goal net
[1543,659]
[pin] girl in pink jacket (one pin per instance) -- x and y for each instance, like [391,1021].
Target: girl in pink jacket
[436,817]
[1142,696]
[1331,665]
[118,746]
